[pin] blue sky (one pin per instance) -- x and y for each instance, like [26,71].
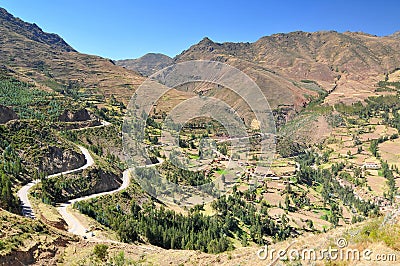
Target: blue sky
[121,29]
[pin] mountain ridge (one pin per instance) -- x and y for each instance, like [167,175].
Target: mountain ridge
[32,31]
[351,63]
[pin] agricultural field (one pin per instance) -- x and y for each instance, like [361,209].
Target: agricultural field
[390,152]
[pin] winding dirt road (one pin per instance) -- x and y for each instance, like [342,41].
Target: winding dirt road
[74,225]
[23,192]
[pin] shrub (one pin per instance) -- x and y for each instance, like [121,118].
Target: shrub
[101,251]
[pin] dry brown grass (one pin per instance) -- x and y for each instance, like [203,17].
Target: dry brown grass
[377,184]
[390,152]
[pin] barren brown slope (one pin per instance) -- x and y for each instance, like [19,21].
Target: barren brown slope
[359,60]
[50,62]
[279,90]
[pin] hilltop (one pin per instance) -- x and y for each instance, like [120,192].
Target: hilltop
[147,64]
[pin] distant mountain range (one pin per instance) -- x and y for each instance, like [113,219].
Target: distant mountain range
[290,68]
[284,65]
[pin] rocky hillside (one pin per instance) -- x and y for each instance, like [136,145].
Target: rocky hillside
[51,64]
[24,241]
[32,31]
[80,115]
[59,160]
[147,64]
[38,147]
[351,63]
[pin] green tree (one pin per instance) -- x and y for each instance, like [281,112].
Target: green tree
[287,202]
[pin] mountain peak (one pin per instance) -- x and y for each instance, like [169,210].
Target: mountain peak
[155,56]
[206,41]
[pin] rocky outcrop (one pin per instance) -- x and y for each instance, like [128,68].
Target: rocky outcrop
[19,257]
[59,224]
[76,116]
[77,119]
[59,160]
[6,114]
[104,181]
[89,181]
[43,252]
